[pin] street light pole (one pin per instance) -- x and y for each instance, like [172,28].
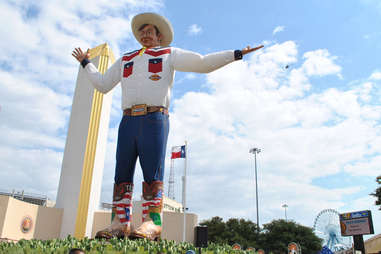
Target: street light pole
[255,151]
[285,210]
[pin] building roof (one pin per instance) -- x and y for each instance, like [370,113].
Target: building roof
[36,199]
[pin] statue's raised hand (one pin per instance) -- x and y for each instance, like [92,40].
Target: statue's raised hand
[80,55]
[249,49]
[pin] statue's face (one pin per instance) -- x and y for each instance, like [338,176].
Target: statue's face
[148,37]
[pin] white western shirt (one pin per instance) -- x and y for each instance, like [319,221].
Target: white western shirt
[147,78]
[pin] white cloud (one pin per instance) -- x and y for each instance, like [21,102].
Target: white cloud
[320,63]
[278,29]
[187,76]
[366,167]
[190,76]
[25,101]
[376,75]
[32,169]
[194,29]
[16,30]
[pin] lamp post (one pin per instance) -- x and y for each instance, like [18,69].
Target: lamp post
[285,210]
[255,151]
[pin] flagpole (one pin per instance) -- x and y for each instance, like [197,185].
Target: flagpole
[184,189]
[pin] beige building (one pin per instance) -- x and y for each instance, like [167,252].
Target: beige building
[373,245]
[22,220]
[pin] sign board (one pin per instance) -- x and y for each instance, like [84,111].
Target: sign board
[356,223]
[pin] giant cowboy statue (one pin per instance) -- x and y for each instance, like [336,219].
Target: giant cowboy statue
[146,76]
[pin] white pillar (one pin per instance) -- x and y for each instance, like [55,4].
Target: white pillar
[82,166]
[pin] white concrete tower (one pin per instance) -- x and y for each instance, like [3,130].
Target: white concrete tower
[82,166]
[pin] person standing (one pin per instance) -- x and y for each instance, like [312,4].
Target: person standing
[146,76]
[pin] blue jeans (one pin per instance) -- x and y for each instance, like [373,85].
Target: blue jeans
[144,136]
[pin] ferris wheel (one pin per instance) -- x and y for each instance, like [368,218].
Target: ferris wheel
[327,227]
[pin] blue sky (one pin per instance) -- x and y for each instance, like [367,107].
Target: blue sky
[317,121]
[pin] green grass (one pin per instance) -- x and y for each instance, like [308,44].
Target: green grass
[113,246]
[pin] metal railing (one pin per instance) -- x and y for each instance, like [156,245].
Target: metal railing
[32,198]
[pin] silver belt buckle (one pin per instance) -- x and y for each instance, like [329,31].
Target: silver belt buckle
[139,110]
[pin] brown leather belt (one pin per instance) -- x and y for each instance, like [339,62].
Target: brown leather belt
[140,110]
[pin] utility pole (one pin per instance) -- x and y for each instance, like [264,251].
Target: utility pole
[255,151]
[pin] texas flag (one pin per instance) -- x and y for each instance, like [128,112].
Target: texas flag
[178,152]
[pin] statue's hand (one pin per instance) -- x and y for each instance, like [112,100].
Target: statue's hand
[249,49]
[80,55]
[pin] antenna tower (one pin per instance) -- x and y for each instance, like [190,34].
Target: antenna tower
[171,185]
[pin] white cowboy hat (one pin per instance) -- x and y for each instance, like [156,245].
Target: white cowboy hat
[160,22]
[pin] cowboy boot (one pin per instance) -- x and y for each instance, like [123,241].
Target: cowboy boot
[121,213]
[152,213]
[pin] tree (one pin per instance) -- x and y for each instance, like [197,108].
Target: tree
[216,230]
[274,237]
[243,232]
[279,233]
[377,192]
